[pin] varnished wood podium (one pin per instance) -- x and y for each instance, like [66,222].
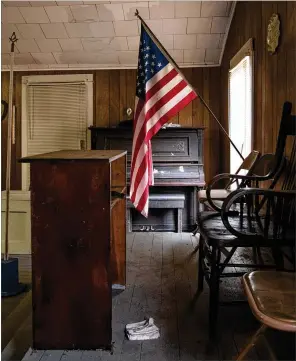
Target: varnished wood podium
[78,246]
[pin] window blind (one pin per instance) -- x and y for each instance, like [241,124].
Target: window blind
[240,110]
[56,117]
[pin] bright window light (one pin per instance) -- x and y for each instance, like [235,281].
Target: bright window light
[240,110]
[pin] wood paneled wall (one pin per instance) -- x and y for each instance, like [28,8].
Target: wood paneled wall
[274,75]
[114,92]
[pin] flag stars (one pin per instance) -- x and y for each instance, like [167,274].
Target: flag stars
[146,56]
[152,71]
[147,48]
[153,56]
[159,64]
[152,64]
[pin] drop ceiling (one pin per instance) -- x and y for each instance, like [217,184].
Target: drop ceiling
[105,34]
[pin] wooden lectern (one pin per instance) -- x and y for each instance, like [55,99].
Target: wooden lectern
[78,246]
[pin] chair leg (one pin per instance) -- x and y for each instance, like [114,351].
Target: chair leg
[214,294]
[252,343]
[200,265]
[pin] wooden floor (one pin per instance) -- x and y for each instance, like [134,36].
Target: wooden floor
[161,283]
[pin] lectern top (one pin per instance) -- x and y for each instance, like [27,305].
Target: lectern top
[68,155]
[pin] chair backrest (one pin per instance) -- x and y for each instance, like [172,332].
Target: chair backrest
[247,165]
[249,162]
[287,128]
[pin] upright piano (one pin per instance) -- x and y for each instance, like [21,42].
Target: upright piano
[178,169]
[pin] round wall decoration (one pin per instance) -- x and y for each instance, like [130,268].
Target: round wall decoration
[273,33]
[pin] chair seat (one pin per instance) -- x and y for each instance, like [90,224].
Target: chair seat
[216,194]
[272,298]
[214,232]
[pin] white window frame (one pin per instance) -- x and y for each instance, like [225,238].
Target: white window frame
[68,78]
[246,50]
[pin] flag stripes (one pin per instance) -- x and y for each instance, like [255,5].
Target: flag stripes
[161,93]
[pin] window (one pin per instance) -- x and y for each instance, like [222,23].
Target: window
[241,104]
[56,112]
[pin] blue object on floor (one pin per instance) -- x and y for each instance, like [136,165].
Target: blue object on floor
[10,285]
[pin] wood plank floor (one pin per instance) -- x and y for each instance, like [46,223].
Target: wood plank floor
[161,283]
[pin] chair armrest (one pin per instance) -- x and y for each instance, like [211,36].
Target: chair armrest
[216,179]
[246,193]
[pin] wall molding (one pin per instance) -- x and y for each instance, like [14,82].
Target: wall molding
[87,67]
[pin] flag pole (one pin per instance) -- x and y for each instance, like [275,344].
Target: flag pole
[13,40]
[170,59]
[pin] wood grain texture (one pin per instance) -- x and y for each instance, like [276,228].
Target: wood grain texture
[274,75]
[114,92]
[71,225]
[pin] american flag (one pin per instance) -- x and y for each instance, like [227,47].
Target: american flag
[160,94]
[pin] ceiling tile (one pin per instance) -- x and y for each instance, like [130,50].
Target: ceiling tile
[187,9]
[196,56]
[5,59]
[162,9]
[212,56]
[54,31]
[8,29]
[219,24]
[30,31]
[59,14]
[102,29]
[85,13]
[174,26]
[71,44]
[66,58]
[105,44]
[16,3]
[214,8]
[23,59]
[156,26]
[167,41]
[199,25]
[208,41]
[128,57]
[48,45]
[110,12]
[78,30]
[43,58]
[133,42]
[43,3]
[221,42]
[129,10]
[86,58]
[27,46]
[11,15]
[126,28]
[177,55]
[34,15]
[184,41]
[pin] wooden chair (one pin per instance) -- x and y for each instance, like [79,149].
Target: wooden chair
[212,195]
[250,217]
[272,298]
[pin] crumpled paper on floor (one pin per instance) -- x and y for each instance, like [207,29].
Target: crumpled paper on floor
[144,330]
